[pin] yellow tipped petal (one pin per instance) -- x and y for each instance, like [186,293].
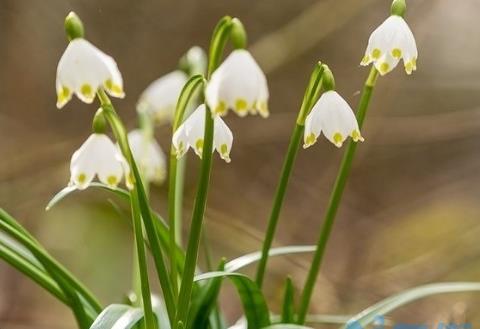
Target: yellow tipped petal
[356,136]
[241,106]
[338,139]
[87,91]
[384,68]
[309,140]
[63,96]
[221,108]
[376,53]
[112,180]
[396,53]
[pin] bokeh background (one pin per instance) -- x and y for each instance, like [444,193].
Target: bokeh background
[409,215]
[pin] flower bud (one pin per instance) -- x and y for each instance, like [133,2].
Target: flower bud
[398,8]
[73,26]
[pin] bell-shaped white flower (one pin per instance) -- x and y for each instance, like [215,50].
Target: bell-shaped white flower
[191,133]
[98,156]
[389,43]
[82,70]
[160,98]
[238,84]
[148,155]
[333,117]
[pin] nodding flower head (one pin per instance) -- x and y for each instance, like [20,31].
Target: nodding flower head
[389,43]
[82,70]
[191,133]
[160,98]
[98,156]
[238,84]
[149,156]
[333,117]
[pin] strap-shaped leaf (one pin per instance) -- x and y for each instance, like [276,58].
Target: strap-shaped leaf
[391,303]
[204,301]
[253,301]
[245,260]
[288,309]
[159,223]
[118,316]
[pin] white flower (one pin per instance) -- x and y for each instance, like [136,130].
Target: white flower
[98,156]
[148,155]
[238,84]
[191,133]
[391,41]
[333,116]
[240,324]
[82,70]
[160,98]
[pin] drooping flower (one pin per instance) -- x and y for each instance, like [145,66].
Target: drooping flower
[389,43]
[191,133]
[82,70]
[160,98]
[98,156]
[148,155]
[238,84]
[333,117]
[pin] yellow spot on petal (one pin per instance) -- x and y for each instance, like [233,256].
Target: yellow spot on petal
[221,108]
[356,136]
[241,106]
[376,53]
[396,53]
[87,90]
[112,180]
[310,140]
[81,178]
[263,109]
[384,67]
[113,88]
[63,95]
[224,152]
[338,139]
[365,60]
[199,146]
[411,66]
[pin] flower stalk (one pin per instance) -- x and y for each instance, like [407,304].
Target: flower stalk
[311,94]
[220,37]
[141,210]
[176,173]
[335,199]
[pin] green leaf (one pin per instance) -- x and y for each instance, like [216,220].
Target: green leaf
[159,223]
[117,316]
[204,302]
[245,260]
[391,303]
[70,189]
[253,301]
[288,309]
[287,326]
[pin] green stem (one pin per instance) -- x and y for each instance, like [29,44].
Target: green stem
[139,197]
[221,34]
[196,225]
[176,178]
[295,140]
[293,147]
[150,320]
[335,198]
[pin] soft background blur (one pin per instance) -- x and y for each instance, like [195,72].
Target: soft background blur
[409,215]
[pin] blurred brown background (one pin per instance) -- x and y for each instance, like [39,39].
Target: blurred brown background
[409,215]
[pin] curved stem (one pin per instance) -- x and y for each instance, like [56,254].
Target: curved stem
[220,37]
[176,176]
[150,321]
[335,199]
[295,140]
[140,202]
